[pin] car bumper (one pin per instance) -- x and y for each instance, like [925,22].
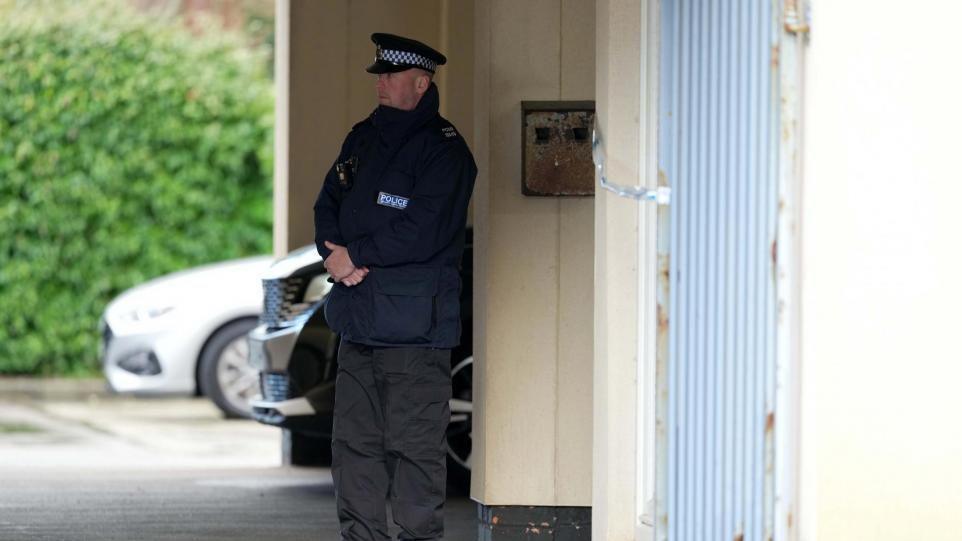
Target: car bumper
[148,350]
[270,352]
[270,349]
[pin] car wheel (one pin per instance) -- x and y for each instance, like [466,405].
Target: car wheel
[459,429]
[225,375]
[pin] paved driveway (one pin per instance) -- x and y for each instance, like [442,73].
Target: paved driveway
[87,466]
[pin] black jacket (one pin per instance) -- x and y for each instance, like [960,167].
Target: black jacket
[403,217]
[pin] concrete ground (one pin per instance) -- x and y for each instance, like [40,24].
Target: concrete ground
[79,464]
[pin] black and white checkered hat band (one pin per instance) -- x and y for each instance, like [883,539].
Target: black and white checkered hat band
[405,58]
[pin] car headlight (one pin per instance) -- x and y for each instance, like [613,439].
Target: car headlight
[147,313]
[316,290]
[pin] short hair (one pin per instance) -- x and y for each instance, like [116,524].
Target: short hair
[429,74]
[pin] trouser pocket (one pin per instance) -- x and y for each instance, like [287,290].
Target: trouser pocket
[427,426]
[418,383]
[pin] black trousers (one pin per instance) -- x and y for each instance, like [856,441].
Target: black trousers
[390,416]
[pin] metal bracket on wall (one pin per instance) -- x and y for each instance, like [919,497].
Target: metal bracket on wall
[660,195]
[797,17]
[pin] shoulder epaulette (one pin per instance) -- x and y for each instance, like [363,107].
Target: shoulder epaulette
[443,129]
[449,132]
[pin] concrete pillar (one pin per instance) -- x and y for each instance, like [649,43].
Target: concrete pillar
[620,121]
[533,279]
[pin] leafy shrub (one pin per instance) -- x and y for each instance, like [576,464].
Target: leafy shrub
[129,148]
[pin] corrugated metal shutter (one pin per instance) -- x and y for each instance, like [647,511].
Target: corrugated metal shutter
[718,148]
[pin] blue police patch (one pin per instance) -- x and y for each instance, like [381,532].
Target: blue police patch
[393,201]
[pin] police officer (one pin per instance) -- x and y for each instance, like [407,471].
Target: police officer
[390,224]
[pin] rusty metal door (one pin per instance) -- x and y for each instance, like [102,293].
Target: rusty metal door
[716,352]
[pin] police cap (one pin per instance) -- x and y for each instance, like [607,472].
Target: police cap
[395,53]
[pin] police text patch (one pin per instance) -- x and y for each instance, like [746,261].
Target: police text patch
[394,201]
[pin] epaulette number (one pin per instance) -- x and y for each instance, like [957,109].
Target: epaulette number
[449,132]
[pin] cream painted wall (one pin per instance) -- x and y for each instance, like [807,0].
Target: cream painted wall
[533,266]
[323,90]
[881,287]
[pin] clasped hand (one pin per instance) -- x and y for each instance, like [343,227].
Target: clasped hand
[340,266]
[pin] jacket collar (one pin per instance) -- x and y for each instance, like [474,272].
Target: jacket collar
[395,125]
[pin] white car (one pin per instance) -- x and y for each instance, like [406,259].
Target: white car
[186,332]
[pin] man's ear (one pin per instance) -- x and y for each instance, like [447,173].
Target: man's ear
[422,83]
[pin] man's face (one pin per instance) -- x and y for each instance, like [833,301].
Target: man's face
[403,89]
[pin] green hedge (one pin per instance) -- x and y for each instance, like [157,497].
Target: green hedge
[129,148]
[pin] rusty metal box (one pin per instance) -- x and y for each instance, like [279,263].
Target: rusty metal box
[556,148]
